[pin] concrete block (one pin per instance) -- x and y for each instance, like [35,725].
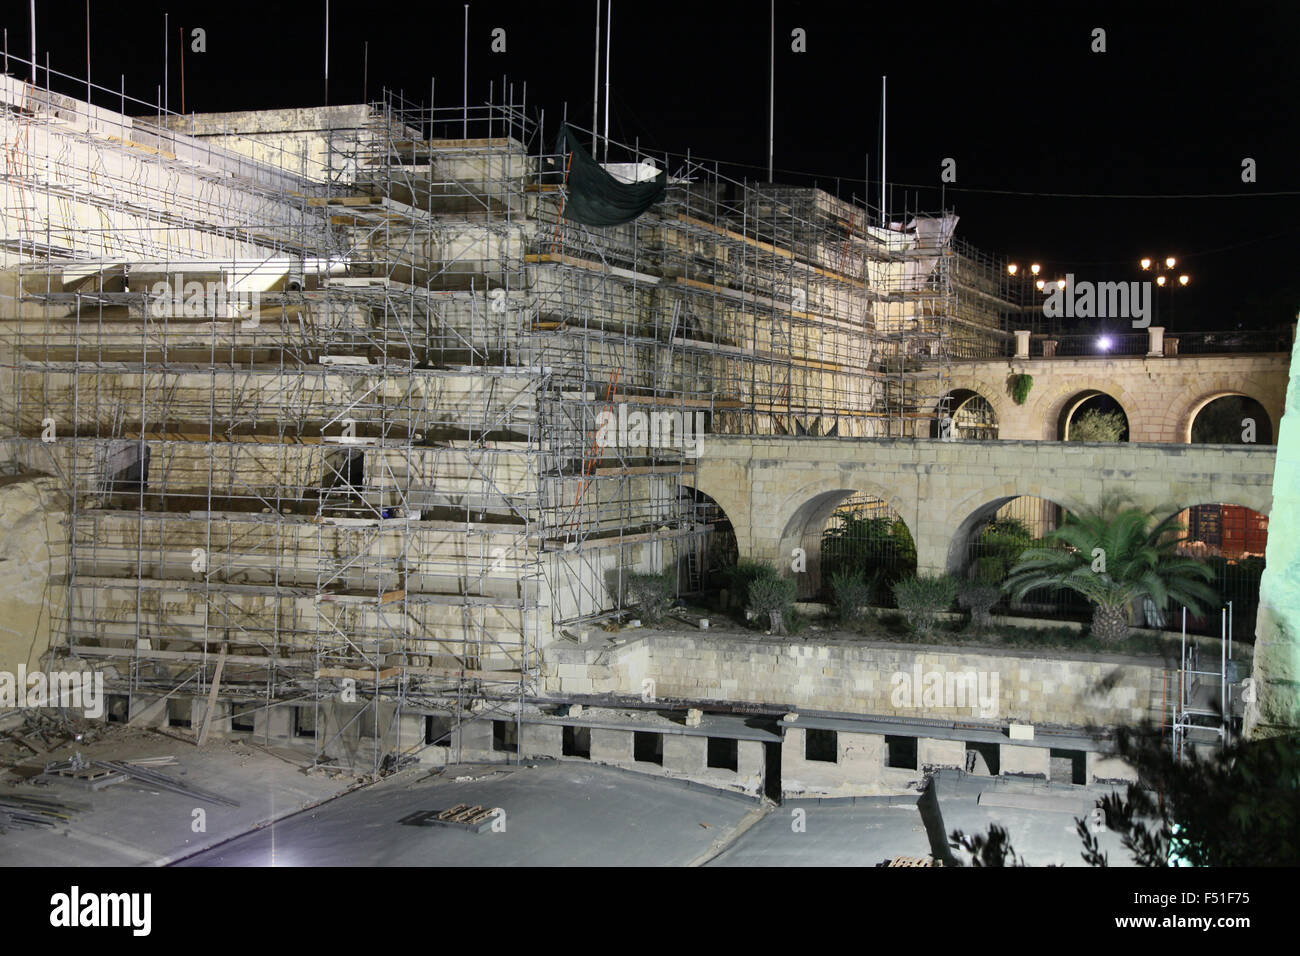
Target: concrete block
[1025,761]
[1104,768]
[749,758]
[274,722]
[1021,731]
[684,754]
[611,746]
[931,752]
[542,740]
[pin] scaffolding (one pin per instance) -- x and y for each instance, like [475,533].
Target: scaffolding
[366,471]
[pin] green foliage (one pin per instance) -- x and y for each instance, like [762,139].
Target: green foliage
[998,548]
[1018,387]
[743,573]
[1140,561]
[653,593]
[979,600]
[878,549]
[1236,808]
[853,592]
[773,593]
[1094,425]
[923,598]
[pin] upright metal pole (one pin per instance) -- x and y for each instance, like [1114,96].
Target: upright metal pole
[167,62]
[884,134]
[609,24]
[595,86]
[465,80]
[87,51]
[33,41]
[771,91]
[327,52]
[1223,672]
[1229,630]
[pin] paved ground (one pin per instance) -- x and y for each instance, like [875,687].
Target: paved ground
[1039,818]
[129,825]
[557,813]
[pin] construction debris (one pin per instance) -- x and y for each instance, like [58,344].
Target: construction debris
[462,816]
[33,812]
[92,774]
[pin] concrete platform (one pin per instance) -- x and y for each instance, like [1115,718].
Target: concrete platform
[127,824]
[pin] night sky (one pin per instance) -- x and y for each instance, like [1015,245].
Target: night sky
[1012,93]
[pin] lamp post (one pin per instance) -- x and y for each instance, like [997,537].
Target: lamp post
[1166,278]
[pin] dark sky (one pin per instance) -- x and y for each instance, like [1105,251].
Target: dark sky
[1012,92]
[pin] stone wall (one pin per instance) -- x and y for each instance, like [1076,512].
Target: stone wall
[33,562]
[853,677]
[1159,395]
[778,492]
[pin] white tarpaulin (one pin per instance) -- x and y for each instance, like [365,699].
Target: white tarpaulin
[931,235]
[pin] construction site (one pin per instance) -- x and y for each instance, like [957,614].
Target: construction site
[319,390]
[340,432]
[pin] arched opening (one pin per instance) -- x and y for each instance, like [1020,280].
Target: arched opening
[1230,540]
[1231,420]
[971,414]
[1093,416]
[989,543]
[711,549]
[865,536]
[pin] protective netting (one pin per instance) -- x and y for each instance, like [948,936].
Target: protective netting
[595,198]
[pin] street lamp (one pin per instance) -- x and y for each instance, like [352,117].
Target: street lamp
[1163,280]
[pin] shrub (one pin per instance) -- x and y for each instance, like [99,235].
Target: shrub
[743,573]
[1095,425]
[852,592]
[653,593]
[767,594]
[979,600]
[923,599]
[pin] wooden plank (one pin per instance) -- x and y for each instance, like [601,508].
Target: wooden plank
[345,201]
[151,655]
[645,469]
[543,258]
[768,247]
[358,673]
[212,695]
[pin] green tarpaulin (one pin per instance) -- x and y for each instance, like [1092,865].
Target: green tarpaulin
[595,198]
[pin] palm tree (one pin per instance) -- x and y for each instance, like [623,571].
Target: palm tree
[1134,557]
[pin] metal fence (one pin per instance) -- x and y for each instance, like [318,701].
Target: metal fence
[868,538]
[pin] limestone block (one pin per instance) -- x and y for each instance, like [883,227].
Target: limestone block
[1025,761]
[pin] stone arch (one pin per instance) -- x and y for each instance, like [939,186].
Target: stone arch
[961,397]
[1046,408]
[977,507]
[1071,396]
[803,516]
[732,497]
[1186,418]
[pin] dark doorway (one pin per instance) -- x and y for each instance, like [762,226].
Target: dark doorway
[772,770]
[723,753]
[648,747]
[576,742]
